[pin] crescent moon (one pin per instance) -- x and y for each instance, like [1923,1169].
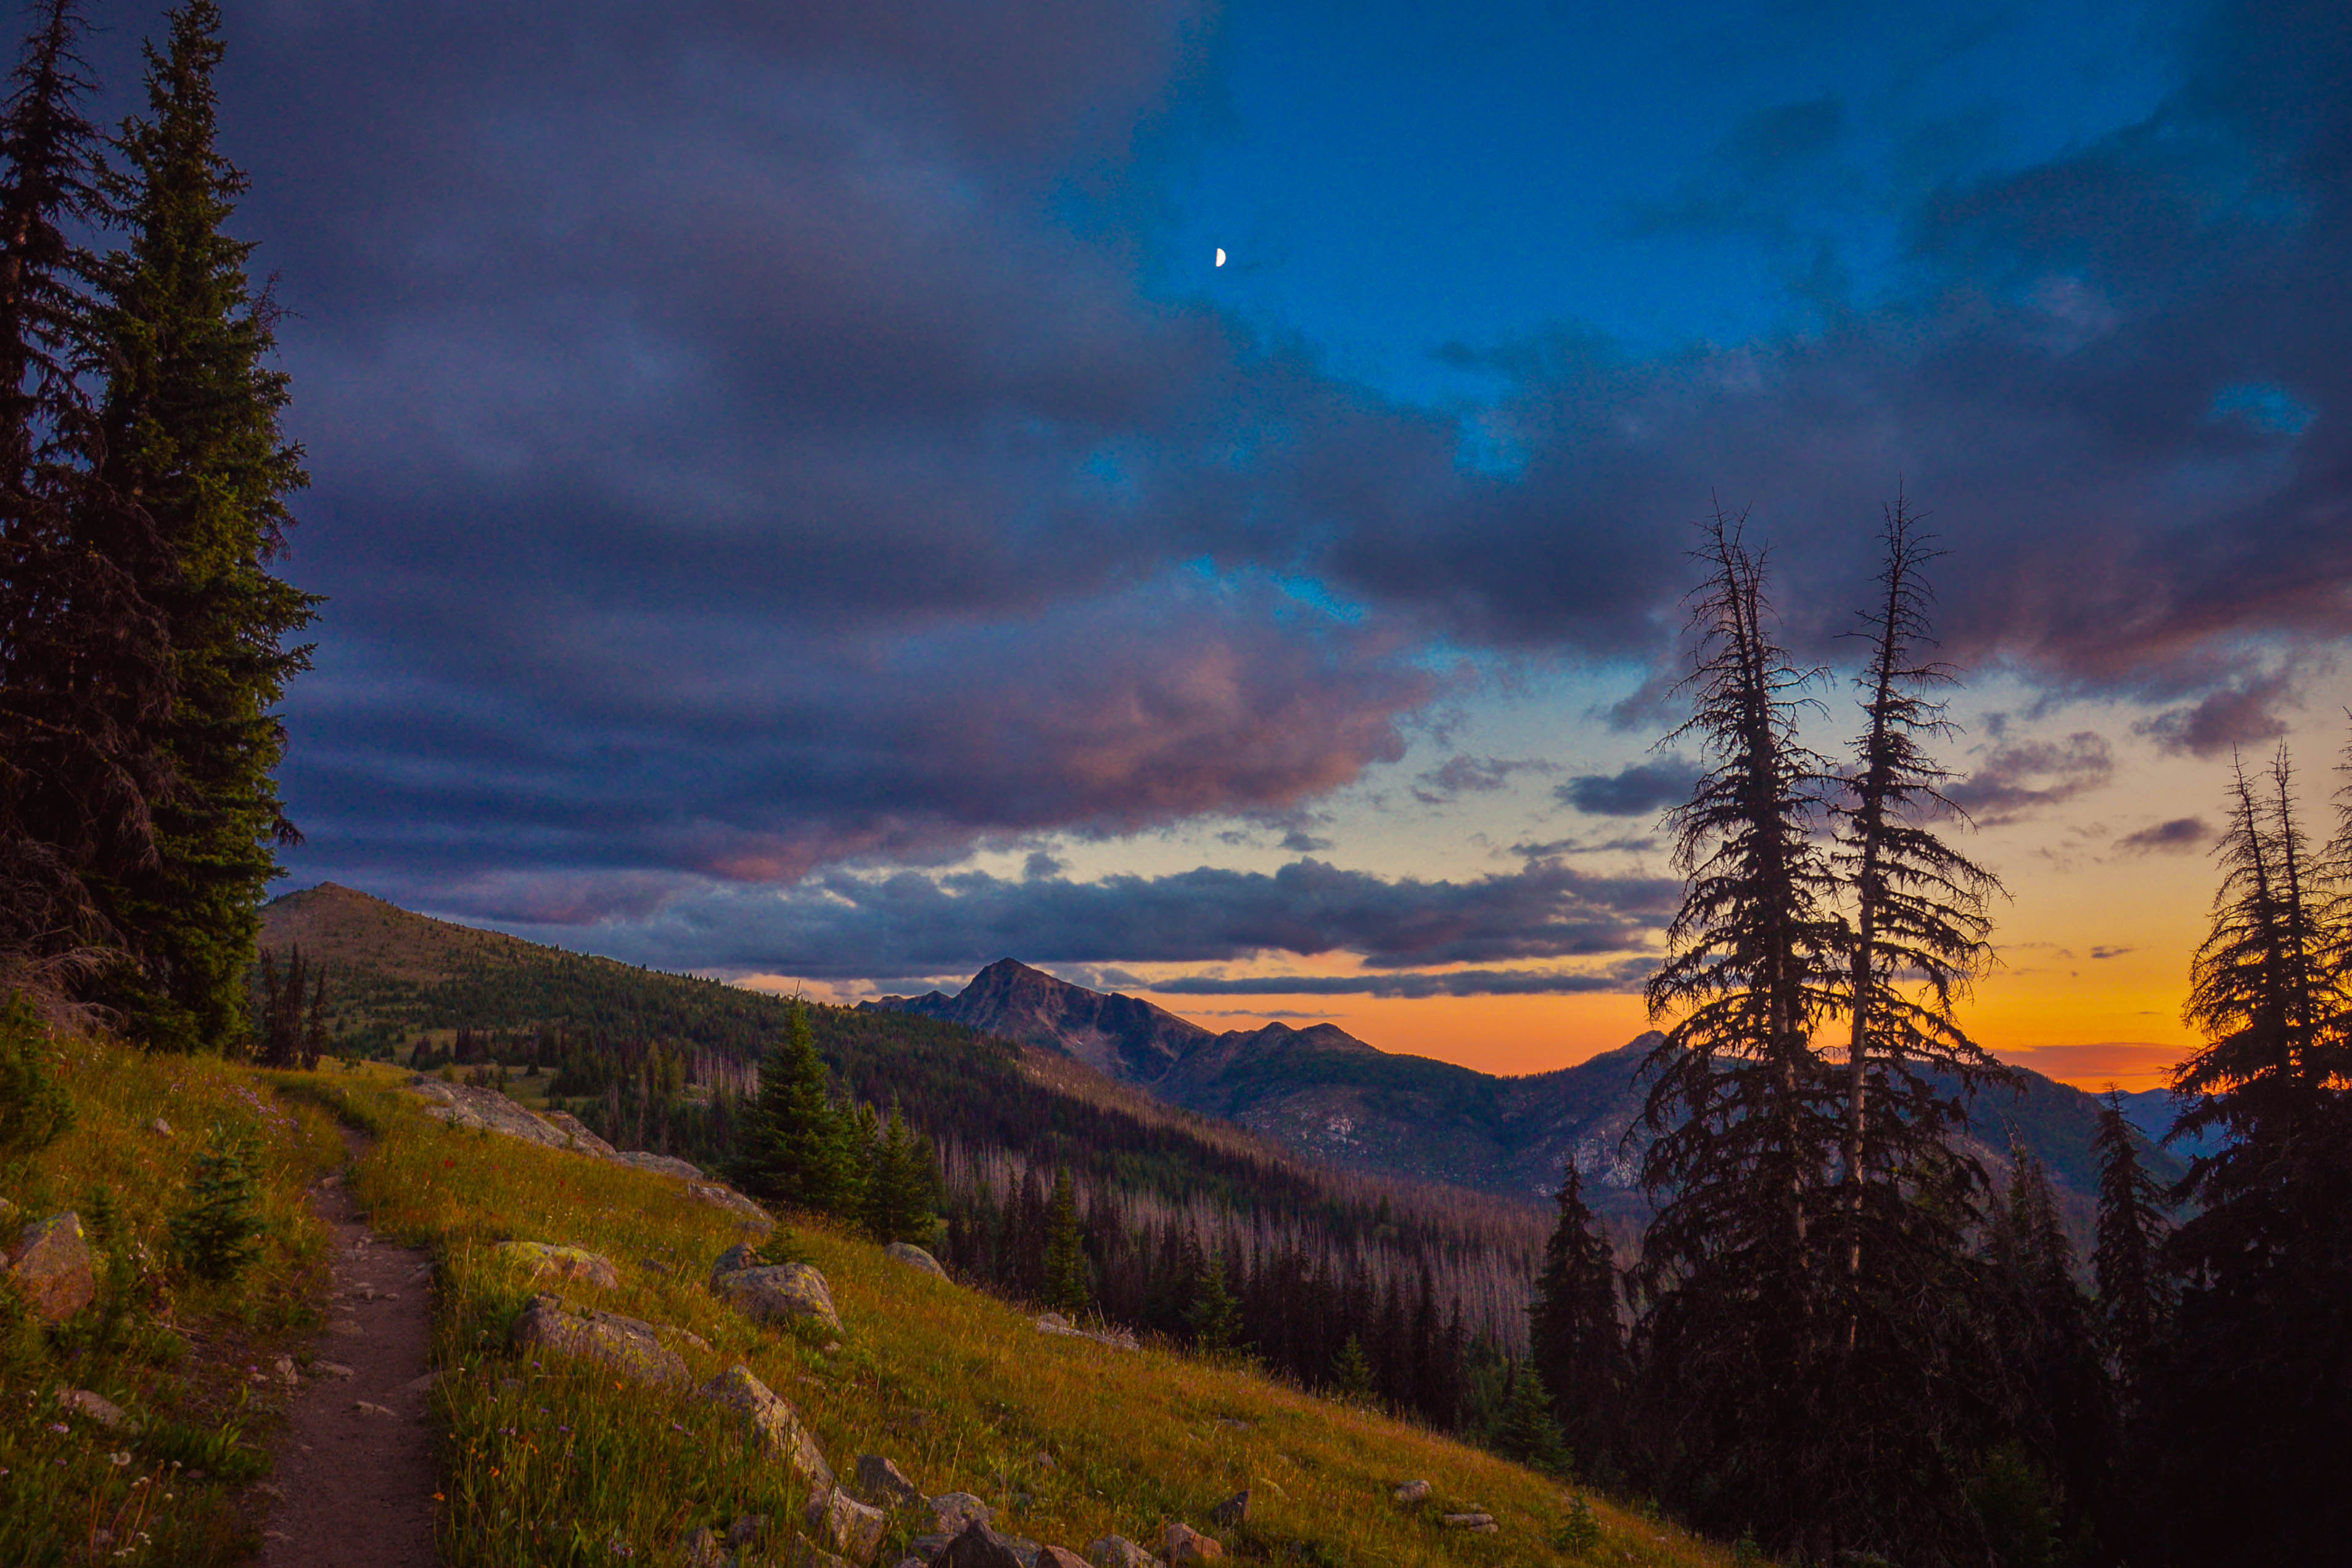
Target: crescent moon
[1220,255]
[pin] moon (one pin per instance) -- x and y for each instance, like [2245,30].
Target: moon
[1220,255]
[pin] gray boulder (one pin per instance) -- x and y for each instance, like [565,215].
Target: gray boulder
[97,1406]
[914,1258]
[838,1522]
[49,1266]
[958,1509]
[1055,1557]
[1477,1523]
[660,1164]
[977,1546]
[718,1194]
[1186,1544]
[882,1482]
[627,1346]
[572,1127]
[769,1422]
[1118,1551]
[541,1258]
[788,1294]
[1412,1493]
[1234,1511]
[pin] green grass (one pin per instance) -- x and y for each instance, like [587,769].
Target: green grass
[551,1462]
[178,1356]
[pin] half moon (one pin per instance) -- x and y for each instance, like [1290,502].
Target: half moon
[1220,255]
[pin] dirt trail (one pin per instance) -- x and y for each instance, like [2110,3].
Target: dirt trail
[355,1471]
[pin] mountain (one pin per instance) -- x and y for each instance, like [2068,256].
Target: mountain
[1325,1094]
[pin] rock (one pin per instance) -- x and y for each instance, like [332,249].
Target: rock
[840,1524]
[1481,1523]
[97,1406]
[751,1529]
[542,1258]
[582,1139]
[928,1547]
[718,1194]
[50,1268]
[807,1556]
[959,1509]
[735,1259]
[364,1409]
[1411,1493]
[914,1258]
[1118,1551]
[788,1294]
[334,1369]
[977,1546]
[1186,1544]
[1234,1511]
[160,1127]
[627,1346]
[1056,1323]
[689,1336]
[699,1549]
[660,1164]
[285,1369]
[486,1110]
[1055,1557]
[769,1422]
[881,1481]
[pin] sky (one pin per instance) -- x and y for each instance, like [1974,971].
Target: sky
[799,502]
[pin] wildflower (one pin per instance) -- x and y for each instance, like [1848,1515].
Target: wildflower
[59,1427]
[119,1459]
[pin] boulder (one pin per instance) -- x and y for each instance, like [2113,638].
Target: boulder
[1477,1523]
[735,1259]
[928,1547]
[838,1522]
[1118,1551]
[914,1258]
[769,1422]
[50,1268]
[1185,1544]
[660,1164]
[1055,1557]
[977,1546]
[628,1347]
[957,1511]
[486,1110]
[573,1128]
[1411,1493]
[1234,1511]
[699,1549]
[789,1294]
[97,1406]
[1056,1323]
[160,1127]
[882,1482]
[542,1257]
[718,1194]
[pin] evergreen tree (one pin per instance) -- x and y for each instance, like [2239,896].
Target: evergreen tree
[901,1186]
[1351,1374]
[1067,1285]
[1577,1345]
[1527,1431]
[791,1137]
[85,677]
[1214,1317]
[190,439]
[2134,1297]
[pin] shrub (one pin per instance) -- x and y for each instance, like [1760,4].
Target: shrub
[1580,1533]
[35,1111]
[219,1230]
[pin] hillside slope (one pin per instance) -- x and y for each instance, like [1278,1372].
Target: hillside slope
[1321,1093]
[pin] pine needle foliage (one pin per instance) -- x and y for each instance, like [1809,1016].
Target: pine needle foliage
[902,1188]
[1575,1338]
[217,1231]
[190,439]
[34,1108]
[1069,1287]
[1527,1431]
[2135,1290]
[793,1144]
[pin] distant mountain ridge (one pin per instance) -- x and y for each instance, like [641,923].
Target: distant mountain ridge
[1323,1094]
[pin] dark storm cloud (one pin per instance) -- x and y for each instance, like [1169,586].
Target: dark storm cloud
[730,461]
[2018,780]
[1641,790]
[1463,775]
[1627,976]
[2175,837]
[837,926]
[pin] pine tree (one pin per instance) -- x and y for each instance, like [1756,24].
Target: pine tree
[1577,1345]
[2135,1298]
[1527,1431]
[899,1202]
[1352,1375]
[85,677]
[1067,1286]
[190,427]
[791,1137]
[1214,1317]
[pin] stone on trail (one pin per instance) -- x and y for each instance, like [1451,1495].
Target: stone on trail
[788,1294]
[1411,1493]
[1477,1523]
[542,1258]
[1186,1544]
[977,1546]
[97,1406]
[629,1346]
[769,1422]
[842,1524]
[1234,1511]
[50,1268]
[882,1482]
[1118,1551]
[914,1257]
[958,1509]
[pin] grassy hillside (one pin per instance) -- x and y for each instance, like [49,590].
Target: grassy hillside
[189,1363]
[1068,1440]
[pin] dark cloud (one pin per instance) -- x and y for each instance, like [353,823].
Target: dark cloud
[837,926]
[2175,837]
[2111,952]
[2020,779]
[731,462]
[1629,976]
[1643,790]
[1461,775]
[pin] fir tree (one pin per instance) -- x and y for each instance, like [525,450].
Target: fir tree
[901,1200]
[218,1230]
[2059,1403]
[1214,1317]
[1577,1345]
[2135,1298]
[1351,1374]
[190,439]
[1527,1431]
[791,1137]
[1066,1277]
